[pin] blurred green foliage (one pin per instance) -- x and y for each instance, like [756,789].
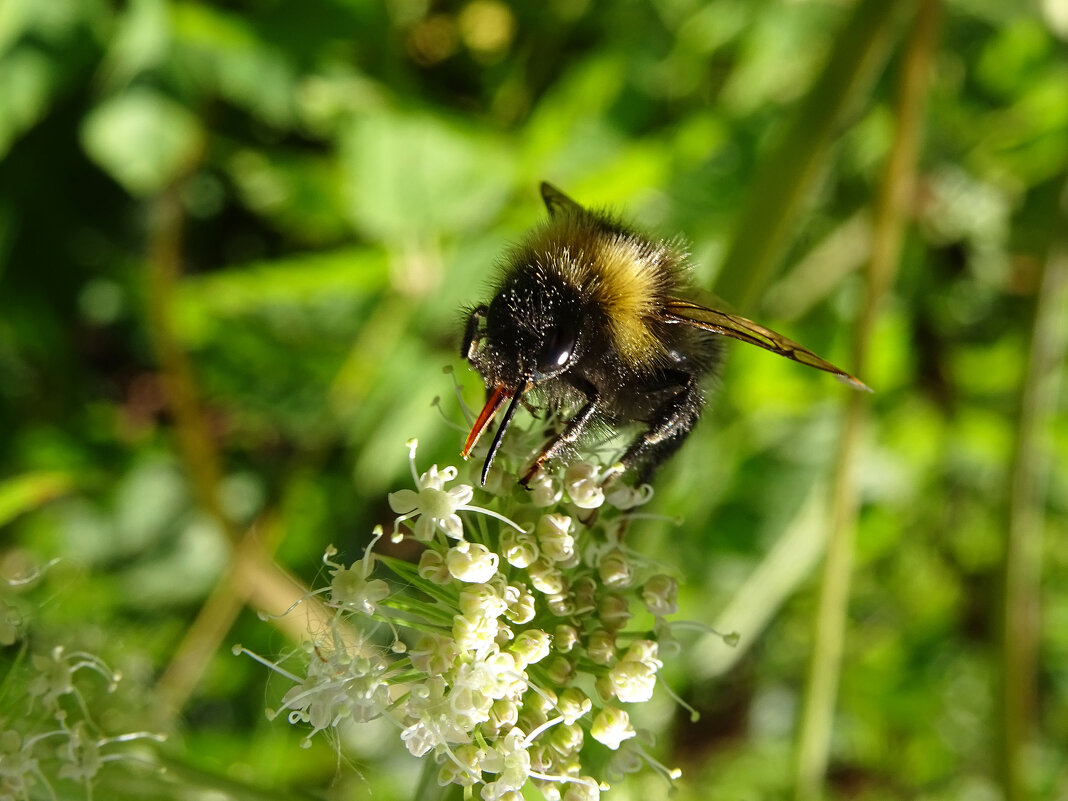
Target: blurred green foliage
[346,175]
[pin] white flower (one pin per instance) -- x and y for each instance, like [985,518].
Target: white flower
[559,609]
[351,588]
[583,485]
[611,727]
[19,766]
[80,755]
[430,719]
[476,599]
[435,508]
[464,767]
[510,761]
[433,654]
[477,633]
[472,562]
[418,739]
[661,595]
[469,700]
[339,686]
[508,673]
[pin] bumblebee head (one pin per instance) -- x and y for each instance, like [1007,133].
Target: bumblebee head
[530,333]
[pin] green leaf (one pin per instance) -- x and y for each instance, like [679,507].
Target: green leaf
[417,175]
[27,84]
[143,139]
[21,494]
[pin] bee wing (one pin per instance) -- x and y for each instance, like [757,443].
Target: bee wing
[683,312]
[557,202]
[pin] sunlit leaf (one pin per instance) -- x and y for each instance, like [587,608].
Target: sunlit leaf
[143,139]
[24,493]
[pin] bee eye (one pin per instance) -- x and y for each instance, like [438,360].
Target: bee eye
[557,351]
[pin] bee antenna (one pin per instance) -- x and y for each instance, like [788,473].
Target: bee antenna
[508,413]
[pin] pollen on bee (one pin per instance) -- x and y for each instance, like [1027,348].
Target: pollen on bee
[631,280]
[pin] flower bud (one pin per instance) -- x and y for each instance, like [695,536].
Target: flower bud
[432,567]
[531,646]
[545,578]
[520,602]
[601,646]
[583,486]
[632,681]
[613,611]
[471,562]
[644,651]
[614,569]
[504,713]
[584,591]
[566,738]
[585,790]
[623,496]
[573,704]
[611,727]
[560,671]
[661,595]
[564,638]
[562,605]
[544,491]
[519,548]
[554,537]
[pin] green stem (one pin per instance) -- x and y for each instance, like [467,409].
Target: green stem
[195,442]
[788,174]
[1022,565]
[891,216]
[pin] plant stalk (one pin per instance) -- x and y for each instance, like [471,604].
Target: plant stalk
[1022,565]
[891,219]
[790,171]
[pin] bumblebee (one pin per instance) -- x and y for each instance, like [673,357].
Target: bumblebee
[589,314]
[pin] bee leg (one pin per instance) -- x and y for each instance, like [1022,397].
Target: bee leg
[668,428]
[574,429]
[470,342]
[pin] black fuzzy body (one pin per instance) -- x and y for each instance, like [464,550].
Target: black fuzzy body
[587,288]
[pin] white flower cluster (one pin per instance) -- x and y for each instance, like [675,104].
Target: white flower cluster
[509,650]
[70,746]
